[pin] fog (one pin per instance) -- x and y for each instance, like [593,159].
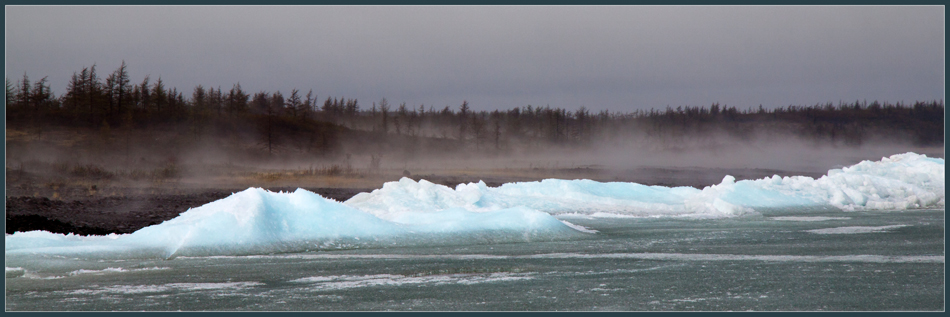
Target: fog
[170,159]
[774,152]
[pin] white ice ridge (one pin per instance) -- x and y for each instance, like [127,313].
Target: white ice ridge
[406,212]
[902,181]
[257,221]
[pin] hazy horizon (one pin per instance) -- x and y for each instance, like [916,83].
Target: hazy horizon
[617,58]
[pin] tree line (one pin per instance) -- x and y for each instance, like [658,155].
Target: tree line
[299,121]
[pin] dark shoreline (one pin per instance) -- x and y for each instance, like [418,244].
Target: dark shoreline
[119,214]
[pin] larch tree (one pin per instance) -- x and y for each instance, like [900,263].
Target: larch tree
[384,110]
[462,116]
[293,103]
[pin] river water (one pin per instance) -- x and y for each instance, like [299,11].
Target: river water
[792,260]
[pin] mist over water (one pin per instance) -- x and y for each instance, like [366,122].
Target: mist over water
[210,158]
[407,213]
[146,188]
[850,249]
[786,155]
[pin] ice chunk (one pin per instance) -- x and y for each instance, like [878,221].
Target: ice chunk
[257,221]
[553,196]
[406,212]
[897,182]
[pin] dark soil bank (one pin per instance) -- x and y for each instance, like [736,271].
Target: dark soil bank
[119,214]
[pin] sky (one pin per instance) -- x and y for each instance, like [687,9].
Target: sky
[616,58]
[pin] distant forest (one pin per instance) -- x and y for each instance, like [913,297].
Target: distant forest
[301,122]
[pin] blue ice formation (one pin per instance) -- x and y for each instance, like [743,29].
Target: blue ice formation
[257,221]
[406,212]
[899,182]
[902,181]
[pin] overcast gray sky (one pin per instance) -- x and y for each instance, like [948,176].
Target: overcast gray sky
[619,58]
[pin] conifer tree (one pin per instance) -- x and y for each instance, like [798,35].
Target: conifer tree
[9,93]
[306,108]
[159,97]
[293,103]
[463,124]
[236,101]
[384,111]
[23,94]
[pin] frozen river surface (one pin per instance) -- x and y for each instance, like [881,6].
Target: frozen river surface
[835,261]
